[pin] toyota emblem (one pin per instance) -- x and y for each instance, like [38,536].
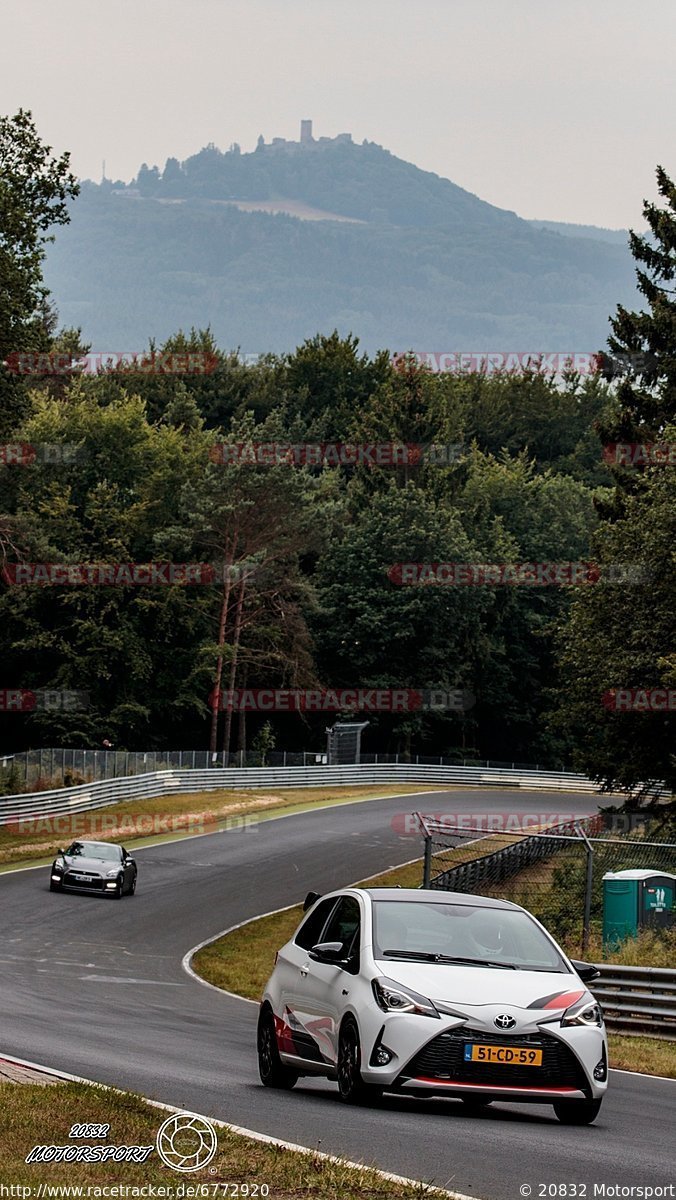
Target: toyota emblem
[504,1021]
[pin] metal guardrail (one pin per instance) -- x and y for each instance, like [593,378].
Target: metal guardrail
[32,805]
[638,1000]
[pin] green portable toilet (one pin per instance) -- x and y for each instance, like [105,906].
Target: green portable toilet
[635,898]
[656,905]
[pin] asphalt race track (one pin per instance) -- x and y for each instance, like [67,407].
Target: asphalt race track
[94,986]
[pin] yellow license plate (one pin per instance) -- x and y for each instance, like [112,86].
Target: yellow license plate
[507,1056]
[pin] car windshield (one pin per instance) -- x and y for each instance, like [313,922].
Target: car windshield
[481,936]
[94,850]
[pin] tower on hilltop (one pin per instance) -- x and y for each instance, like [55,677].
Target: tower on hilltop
[306,132]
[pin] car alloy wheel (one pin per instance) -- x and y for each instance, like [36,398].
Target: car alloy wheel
[351,1086]
[271,1069]
[577,1112]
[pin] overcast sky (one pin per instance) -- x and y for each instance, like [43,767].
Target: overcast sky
[557,109]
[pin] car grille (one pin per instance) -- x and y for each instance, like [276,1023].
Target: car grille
[73,881]
[443,1059]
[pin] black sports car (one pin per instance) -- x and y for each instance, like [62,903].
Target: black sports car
[94,867]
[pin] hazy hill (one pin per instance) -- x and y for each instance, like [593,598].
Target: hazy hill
[420,262]
[619,236]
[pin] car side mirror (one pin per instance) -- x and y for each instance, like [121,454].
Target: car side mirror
[328,952]
[62,851]
[587,971]
[310,899]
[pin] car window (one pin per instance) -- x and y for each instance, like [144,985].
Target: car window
[102,850]
[310,931]
[344,925]
[502,935]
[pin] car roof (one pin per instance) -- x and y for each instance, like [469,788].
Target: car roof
[85,841]
[425,895]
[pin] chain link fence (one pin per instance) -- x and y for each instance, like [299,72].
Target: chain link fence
[55,767]
[556,874]
[66,768]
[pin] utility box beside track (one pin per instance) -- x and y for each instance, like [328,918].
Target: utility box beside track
[635,899]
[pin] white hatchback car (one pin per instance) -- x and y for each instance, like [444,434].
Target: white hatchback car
[429,992]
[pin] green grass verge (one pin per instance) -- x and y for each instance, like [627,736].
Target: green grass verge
[649,1056]
[165,818]
[650,949]
[37,1116]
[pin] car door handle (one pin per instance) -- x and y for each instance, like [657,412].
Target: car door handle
[304,970]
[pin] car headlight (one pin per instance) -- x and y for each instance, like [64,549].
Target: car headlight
[394,997]
[585,1012]
[113,873]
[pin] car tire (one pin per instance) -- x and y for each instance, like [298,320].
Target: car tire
[273,1073]
[119,890]
[54,887]
[577,1112]
[351,1086]
[132,886]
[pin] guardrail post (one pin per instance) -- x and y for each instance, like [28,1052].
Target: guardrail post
[427,863]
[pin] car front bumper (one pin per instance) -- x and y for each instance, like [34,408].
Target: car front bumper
[98,884]
[428,1055]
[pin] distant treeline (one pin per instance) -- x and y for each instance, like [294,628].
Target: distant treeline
[511,478]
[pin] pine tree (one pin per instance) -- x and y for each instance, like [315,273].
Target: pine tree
[642,357]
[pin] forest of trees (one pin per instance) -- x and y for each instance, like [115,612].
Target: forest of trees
[307,598]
